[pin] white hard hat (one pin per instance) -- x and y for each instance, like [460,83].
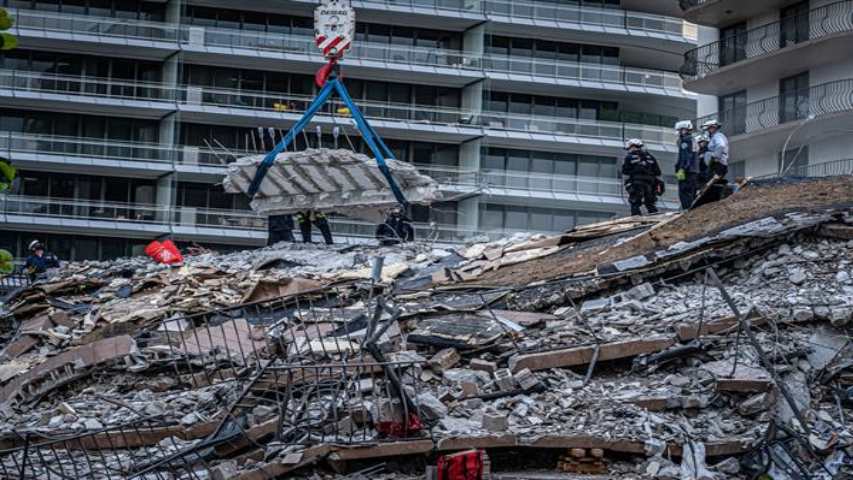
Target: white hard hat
[634,142]
[684,124]
[711,123]
[35,244]
[703,138]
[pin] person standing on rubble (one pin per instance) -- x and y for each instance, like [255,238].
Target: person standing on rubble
[719,149]
[280,229]
[718,163]
[306,218]
[687,166]
[703,158]
[396,229]
[39,262]
[641,171]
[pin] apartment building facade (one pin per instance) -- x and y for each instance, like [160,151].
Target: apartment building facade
[783,77]
[122,114]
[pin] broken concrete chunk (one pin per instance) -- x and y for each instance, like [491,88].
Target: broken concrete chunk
[495,423]
[483,365]
[431,407]
[797,277]
[640,292]
[444,360]
[729,466]
[756,404]
[504,380]
[526,379]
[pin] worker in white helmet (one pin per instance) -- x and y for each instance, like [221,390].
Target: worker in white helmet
[39,262]
[718,163]
[719,148]
[687,166]
[641,172]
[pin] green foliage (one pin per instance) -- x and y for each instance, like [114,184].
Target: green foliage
[6,265]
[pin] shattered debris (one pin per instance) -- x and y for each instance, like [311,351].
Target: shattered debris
[289,362]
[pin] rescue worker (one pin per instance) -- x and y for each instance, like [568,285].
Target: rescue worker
[718,163]
[39,262]
[718,147]
[305,219]
[396,229]
[687,166]
[641,171]
[280,229]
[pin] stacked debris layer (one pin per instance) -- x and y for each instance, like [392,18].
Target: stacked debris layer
[327,180]
[640,368]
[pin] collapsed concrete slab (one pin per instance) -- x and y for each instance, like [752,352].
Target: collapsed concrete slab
[328,180]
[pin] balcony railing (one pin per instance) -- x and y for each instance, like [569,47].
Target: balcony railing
[85,86]
[37,20]
[140,215]
[304,45]
[286,103]
[578,71]
[826,169]
[281,103]
[585,15]
[813,102]
[577,127]
[89,148]
[817,23]
[532,184]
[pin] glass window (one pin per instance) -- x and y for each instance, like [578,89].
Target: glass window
[732,112]
[516,218]
[794,98]
[85,248]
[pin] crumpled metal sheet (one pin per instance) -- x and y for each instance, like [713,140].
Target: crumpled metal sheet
[327,180]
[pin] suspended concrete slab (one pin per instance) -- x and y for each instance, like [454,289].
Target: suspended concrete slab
[327,180]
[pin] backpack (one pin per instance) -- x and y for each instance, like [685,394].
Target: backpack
[466,465]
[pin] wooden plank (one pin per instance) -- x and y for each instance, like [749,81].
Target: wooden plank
[497,441]
[412,447]
[571,357]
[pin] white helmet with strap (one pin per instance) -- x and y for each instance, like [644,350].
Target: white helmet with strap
[711,123]
[684,125]
[634,142]
[35,244]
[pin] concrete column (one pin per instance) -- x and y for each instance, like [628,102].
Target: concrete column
[468,214]
[468,210]
[165,194]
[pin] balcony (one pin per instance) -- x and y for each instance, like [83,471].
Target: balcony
[508,184]
[248,49]
[722,13]
[586,136]
[234,227]
[765,125]
[149,40]
[507,72]
[24,89]
[776,50]
[515,15]
[236,107]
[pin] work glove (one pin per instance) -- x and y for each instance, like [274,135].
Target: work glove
[7,264]
[681,175]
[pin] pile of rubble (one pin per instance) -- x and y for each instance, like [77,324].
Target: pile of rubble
[659,349]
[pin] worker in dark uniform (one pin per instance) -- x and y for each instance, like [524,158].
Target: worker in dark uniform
[280,229]
[687,166]
[305,219]
[703,158]
[39,262]
[641,171]
[396,229]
